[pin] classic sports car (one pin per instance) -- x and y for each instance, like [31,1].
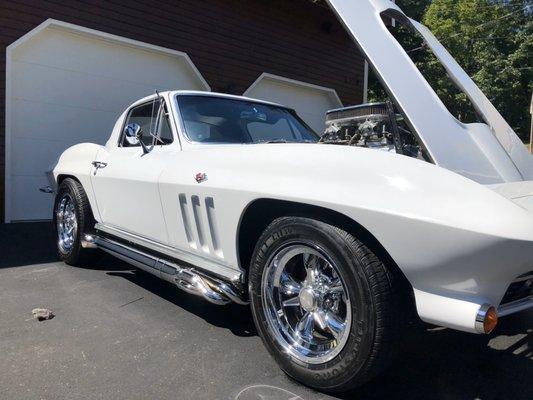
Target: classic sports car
[330,241]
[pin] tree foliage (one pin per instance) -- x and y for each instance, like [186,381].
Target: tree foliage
[492,40]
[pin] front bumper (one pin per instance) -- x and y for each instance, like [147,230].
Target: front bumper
[515,306]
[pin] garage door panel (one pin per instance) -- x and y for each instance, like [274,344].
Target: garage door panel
[316,122]
[310,101]
[28,202]
[58,122]
[32,156]
[60,49]
[284,92]
[71,88]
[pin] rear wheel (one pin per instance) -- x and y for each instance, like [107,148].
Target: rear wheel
[323,303]
[72,220]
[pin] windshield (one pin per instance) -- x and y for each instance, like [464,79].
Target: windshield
[209,119]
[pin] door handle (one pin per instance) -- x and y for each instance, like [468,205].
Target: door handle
[99,164]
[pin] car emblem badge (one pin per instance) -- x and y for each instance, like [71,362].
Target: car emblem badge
[200,177]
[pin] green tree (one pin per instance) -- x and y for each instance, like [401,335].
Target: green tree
[493,42]
[414,9]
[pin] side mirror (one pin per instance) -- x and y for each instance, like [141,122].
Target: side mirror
[133,134]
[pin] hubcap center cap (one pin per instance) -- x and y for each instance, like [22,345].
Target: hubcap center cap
[308,299]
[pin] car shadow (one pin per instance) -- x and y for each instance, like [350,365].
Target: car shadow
[23,244]
[26,244]
[236,318]
[439,363]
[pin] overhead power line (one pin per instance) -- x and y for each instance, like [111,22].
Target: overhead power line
[491,21]
[496,5]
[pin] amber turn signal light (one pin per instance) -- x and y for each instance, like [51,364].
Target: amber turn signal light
[486,319]
[491,320]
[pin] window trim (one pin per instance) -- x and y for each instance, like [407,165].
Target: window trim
[128,113]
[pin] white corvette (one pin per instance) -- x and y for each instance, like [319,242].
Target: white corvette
[236,200]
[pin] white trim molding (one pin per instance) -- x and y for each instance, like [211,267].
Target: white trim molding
[267,76]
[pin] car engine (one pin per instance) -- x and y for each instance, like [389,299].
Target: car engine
[374,126]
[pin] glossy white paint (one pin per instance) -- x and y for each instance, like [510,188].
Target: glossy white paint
[520,193]
[459,243]
[310,101]
[127,190]
[67,84]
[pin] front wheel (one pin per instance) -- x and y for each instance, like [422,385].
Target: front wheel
[73,218]
[323,303]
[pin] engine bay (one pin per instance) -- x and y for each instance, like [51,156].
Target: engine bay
[372,125]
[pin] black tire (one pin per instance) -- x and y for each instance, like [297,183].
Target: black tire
[373,294]
[75,255]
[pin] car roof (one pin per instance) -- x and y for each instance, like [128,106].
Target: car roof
[222,95]
[208,94]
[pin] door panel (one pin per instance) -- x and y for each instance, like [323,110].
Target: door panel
[127,193]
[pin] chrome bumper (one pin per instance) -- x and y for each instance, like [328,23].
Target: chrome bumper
[519,295]
[515,306]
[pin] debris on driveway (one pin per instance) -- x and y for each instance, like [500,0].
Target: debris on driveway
[42,314]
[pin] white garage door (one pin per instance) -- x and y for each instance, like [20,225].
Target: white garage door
[310,101]
[67,85]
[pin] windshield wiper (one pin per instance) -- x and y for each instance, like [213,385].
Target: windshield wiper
[271,141]
[277,141]
[284,141]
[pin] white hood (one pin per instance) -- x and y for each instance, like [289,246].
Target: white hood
[487,153]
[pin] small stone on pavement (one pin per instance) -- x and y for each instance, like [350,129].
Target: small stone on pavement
[42,314]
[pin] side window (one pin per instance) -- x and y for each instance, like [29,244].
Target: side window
[152,119]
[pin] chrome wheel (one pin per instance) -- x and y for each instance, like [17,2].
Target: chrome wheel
[306,303]
[67,224]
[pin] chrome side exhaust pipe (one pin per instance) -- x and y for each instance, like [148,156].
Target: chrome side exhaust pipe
[89,242]
[193,283]
[190,280]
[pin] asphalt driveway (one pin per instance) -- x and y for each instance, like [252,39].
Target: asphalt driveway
[122,334]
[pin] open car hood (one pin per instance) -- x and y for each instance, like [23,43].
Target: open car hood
[488,152]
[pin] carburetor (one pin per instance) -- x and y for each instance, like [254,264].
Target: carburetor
[373,125]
